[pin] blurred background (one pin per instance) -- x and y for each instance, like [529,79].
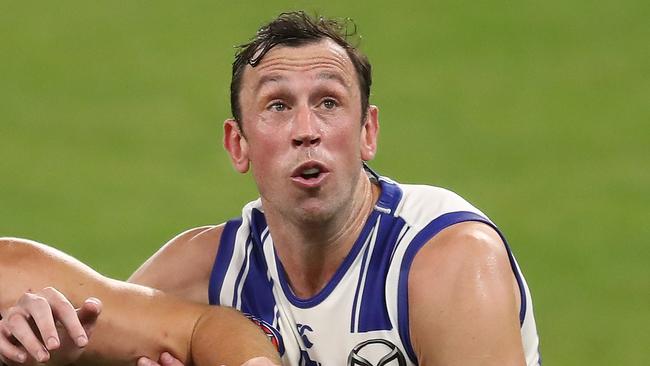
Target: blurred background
[538,112]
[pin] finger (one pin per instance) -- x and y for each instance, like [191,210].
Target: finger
[166,359]
[9,351]
[259,361]
[39,309]
[65,313]
[144,361]
[88,314]
[21,330]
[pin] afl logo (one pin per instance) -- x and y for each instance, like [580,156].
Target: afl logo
[376,352]
[271,333]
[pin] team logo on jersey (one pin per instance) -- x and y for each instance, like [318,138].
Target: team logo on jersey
[305,360]
[271,333]
[376,352]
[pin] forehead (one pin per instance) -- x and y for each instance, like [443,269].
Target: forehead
[324,59]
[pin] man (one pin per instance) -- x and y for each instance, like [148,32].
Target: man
[342,265]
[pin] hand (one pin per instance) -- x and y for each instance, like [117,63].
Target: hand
[46,321]
[167,359]
[259,361]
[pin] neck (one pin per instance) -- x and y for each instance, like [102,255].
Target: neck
[312,252]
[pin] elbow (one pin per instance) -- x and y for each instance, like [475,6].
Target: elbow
[225,336]
[13,250]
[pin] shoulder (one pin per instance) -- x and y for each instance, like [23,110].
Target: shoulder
[463,246]
[420,203]
[462,292]
[183,265]
[461,255]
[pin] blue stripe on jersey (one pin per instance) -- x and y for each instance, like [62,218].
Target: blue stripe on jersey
[222,261]
[258,226]
[390,196]
[253,281]
[362,270]
[374,311]
[429,231]
[253,290]
[244,267]
[257,291]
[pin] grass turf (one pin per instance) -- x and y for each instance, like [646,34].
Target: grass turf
[537,112]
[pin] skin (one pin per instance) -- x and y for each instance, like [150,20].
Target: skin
[464,300]
[193,333]
[302,108]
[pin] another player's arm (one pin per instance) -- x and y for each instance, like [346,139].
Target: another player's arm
[464,300]
[135,321]
[182,267]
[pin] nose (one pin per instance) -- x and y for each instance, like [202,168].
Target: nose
[305,129]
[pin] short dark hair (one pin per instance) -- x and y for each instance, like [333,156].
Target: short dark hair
[296,29]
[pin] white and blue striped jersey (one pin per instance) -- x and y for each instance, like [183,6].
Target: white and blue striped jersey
[361,316]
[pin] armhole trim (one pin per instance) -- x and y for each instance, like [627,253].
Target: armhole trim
[428,232]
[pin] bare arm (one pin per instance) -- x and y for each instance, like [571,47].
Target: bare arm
[464,300]
[182,267]
[136,321]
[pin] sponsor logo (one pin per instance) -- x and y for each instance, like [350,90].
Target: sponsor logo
[305,360]
[302,330]
[376,352]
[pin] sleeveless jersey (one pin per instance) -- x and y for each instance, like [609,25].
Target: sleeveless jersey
[361,316]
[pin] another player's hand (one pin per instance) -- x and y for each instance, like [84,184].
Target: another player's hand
[167,359]
[43,322]
[259,361]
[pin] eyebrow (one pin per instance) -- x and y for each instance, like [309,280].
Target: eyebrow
[272,78]
[332,76]
[268,79]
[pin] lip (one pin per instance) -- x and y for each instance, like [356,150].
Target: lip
[299,180]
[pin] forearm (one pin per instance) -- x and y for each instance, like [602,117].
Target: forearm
[196,334]
[135,321]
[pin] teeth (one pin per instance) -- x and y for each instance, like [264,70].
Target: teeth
[311,171]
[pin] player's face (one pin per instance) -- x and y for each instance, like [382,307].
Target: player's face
[302,131]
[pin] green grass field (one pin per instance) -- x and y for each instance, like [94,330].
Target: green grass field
[538,112]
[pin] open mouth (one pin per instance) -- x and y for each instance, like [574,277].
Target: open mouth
[310,174]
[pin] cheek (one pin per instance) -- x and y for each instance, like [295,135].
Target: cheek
[262,155]
[263,172]
[347,142]
[266,158]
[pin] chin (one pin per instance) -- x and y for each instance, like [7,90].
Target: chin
[315,213]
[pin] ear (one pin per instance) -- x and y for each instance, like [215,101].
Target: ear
[236,144]
[369,134]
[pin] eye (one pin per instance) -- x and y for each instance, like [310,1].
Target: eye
[329,103]
[278,106]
